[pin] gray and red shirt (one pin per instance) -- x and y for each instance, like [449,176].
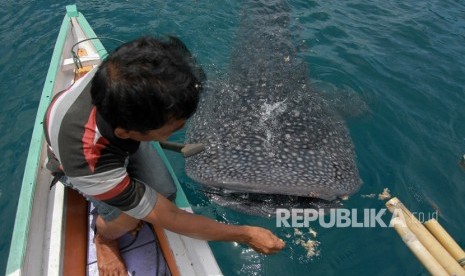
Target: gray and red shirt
[85,148]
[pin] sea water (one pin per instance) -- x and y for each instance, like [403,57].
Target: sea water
[405,60]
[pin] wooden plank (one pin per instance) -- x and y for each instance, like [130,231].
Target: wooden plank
[68,64]
[165,248]
[75,249]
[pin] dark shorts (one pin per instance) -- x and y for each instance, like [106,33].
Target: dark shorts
[147,167]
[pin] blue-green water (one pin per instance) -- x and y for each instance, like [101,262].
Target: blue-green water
[405,59]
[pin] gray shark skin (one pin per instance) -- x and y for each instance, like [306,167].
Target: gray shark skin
[268,135]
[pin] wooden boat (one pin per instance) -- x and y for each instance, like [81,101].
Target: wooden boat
[50,235]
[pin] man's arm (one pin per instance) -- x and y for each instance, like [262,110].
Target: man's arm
[166,215]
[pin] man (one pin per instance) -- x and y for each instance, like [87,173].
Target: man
[99,138]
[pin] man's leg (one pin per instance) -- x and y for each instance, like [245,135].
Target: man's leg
[110,224]
[108,229]
[117,227]
[146,166]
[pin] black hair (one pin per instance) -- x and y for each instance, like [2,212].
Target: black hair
[147,82]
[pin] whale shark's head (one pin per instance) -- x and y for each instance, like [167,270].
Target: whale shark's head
[292,147]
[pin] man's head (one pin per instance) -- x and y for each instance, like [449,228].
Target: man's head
[145,85]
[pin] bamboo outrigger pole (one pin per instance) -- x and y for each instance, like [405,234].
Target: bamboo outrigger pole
[446,240]
[426,238]
[422,254]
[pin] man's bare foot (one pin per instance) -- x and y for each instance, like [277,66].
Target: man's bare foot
[109,259]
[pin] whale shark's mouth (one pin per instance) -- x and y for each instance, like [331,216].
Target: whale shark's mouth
[270,188]
[266,204]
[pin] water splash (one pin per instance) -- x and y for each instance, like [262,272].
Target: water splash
[268,114]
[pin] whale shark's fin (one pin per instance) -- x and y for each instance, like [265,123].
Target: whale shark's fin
[345,101]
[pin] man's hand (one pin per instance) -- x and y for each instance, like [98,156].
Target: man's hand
[263,241]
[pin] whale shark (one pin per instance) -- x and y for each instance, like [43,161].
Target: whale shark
[270,139]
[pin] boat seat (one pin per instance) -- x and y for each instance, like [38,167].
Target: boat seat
[90,60]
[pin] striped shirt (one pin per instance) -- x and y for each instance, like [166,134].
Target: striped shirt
[83,145]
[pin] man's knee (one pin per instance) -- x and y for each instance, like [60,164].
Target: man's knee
[117,227]
[171,197]
[170,192]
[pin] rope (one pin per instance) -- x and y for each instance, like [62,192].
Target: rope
[76,59]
